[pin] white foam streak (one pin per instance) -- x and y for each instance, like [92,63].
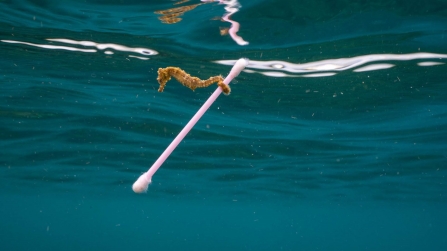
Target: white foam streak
[48,46]
[117,47]
[341,64]
[374,67]
[429,63]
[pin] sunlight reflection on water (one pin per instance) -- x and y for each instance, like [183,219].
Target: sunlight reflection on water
[325,68]
[99,46]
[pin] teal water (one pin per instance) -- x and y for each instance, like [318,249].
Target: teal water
[333,138]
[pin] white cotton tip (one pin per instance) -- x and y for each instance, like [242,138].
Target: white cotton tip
[240,65]
[140,186]
[237,68]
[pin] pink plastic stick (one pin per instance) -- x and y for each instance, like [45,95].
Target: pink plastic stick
[141,184]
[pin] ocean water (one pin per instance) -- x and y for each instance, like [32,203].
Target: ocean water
[334,137]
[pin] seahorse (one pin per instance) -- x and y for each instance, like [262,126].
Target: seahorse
[165,74]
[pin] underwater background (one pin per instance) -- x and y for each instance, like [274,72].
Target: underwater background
[333,138]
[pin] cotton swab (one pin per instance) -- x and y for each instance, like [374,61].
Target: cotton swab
[142,183]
